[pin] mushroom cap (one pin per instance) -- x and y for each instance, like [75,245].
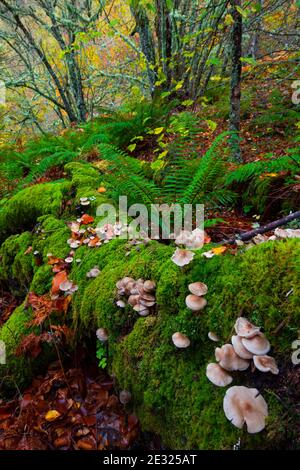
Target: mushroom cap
[180,340]
[245,328]
[195,303]
[245,405]
[217,375]
[229,360]
[124,397]
[147,303]
[66,286]
[266,364]
[149,286]
[69,259]
[94,272]
[239,347]
[213,337]
[198,288]
[102,334]
[133,300]
[121,303]
[144,313]
[182,257]
[146,296]
[183,237]
[258,345]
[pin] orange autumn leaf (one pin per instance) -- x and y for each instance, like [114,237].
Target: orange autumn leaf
[57,280]
[207,239]
[94,241]
[219,250]
[87,219]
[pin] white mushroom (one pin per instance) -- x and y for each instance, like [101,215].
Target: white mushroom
[180,340]
[229,360]
[258,345]
[198,288]
[266,364]
[217,375]
[121,303]
[102,334]
[239,348]
[213,337]
[195,303]
[182,257]
[245,405]
[245,329]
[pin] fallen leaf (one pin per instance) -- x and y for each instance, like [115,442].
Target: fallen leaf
[52,415]
[87,219]
[219,250]
[58,279]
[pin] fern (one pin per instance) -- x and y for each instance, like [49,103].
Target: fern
[255,169]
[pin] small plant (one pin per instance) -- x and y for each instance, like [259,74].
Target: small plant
[101,354]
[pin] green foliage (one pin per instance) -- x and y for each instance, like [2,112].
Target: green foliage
[259,178]
[183,180]
[101,354]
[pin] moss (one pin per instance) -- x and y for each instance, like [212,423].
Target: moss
[23,209]
[16,267]
[42,280]
[17,370]
[52,237]
[171,393]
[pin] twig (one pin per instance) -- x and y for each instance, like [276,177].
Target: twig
[265,228]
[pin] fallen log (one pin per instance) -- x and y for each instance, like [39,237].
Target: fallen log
[264,228]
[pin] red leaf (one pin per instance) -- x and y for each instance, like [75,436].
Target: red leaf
[87,219]
[57,280]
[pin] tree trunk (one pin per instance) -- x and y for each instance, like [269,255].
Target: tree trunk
[236,75]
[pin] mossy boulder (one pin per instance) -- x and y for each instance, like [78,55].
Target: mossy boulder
[171,393]
[22,210]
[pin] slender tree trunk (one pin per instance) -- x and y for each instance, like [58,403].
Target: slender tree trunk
[236,75]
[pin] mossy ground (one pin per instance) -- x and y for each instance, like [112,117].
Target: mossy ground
[170,391]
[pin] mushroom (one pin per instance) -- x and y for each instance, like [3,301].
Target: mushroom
[144,313]
[266,364]
[195,303]
[182,257]
[196,239]
[149,286]
[229,360]
[198,288]
[133,300]
[69,260]
[180,340]
[213,337]
[102,334]
[239,348]
[124,397]
[217,375]
[183,238]
[121,303]
[245,405]
[245,329]
[66,286]
[258,345]
[94,272]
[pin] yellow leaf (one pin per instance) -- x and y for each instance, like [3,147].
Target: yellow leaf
[158,130]
[219,250]
[52,415]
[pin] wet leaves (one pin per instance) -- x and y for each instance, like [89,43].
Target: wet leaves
[67,411]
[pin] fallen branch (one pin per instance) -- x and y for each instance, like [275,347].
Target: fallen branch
[265,228]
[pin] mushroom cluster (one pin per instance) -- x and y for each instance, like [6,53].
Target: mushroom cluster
[195,300]
[139,294]
[188,241]
[243,405]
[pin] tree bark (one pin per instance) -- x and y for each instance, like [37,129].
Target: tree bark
[236,76]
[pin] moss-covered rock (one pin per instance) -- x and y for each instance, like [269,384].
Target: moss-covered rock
[22,210]
[16,267]
[170,391]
